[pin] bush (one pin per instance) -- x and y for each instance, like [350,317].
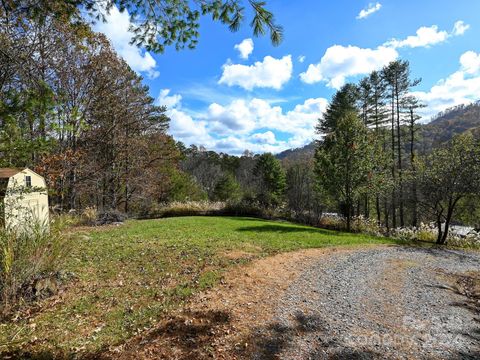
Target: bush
[110,217]
[471,240]
[403,234]
[202,208]
[25,255]
[361,224]
[190,208]
[332,222]
[89,216]
[248,207]
[425,232]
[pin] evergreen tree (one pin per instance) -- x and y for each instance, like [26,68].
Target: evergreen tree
[156,24]
[411,104]
[343,162]
[378,117]
[397,77]
[227,188]
[272,181]
[343,102]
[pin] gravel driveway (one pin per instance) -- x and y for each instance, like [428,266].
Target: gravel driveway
[394,303]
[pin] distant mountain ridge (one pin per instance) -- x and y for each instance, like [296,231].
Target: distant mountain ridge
[442,128]
[451,122]
[292,154]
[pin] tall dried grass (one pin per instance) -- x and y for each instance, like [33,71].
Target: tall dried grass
[34,250]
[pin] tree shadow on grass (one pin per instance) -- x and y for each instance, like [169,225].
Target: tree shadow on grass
[187,336]
[286,228]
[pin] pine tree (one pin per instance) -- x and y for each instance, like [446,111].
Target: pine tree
[397,77]
[343,162]
[343,102]
[272,180]
[411,105]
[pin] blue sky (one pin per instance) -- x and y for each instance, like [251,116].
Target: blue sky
[237,92]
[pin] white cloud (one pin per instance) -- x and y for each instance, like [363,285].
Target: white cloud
[461,87]
[244,124]
[116,28]
[267,137]
[340,62]
[184,128]
[424,37]
[242,118]
[235,117]
[470,62]
[301,58]
[459,28]
[371,8]
[245,48]
[269,73]
[427,36]
[169,101]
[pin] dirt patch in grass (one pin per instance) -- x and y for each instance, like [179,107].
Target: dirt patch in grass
[215,323]
[238,255]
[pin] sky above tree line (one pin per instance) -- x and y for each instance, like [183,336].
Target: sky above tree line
[236,92]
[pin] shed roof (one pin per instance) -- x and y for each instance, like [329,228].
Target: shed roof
[8,172]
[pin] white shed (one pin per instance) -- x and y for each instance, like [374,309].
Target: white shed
[23,199]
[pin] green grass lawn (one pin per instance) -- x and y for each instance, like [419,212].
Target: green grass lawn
[130,276]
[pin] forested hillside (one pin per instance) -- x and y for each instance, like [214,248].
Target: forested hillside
[441,129]
[451,122]
[294,154]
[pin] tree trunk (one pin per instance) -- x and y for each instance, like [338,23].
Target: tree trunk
[387,220]
[394,215]
[367,207]
[399,152]
[377,209]
[448,219]
[412,162]
[440,232]
[415,205]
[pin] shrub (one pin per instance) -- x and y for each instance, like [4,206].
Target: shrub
[219,208]
[249,207]
[37,250]
[311,218]
[89,216]
[404,234]
[471,240]
[425,232]
[332,222]
[361,224]
[189,208]
[110,217]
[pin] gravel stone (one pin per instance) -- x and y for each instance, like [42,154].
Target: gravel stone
[380,303]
